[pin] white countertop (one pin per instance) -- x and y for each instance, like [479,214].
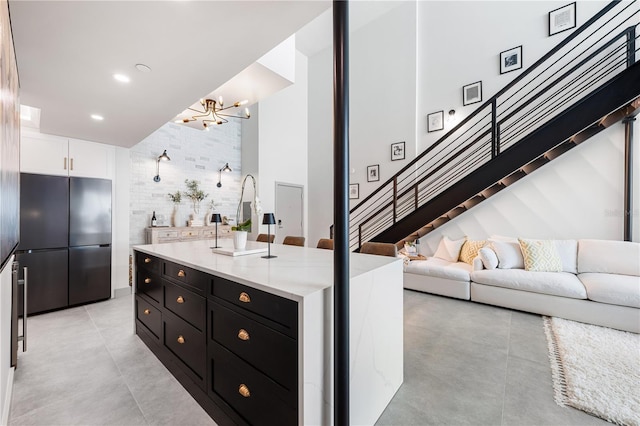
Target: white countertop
[294,274]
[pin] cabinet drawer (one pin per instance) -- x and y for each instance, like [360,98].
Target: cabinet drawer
[189,234]
[148,262]
[186,304]
[269,351]
[253,395]
[196,279]
[149,316]
[166,235]
[210,233]
[275,308]
[149,284]
[187,343]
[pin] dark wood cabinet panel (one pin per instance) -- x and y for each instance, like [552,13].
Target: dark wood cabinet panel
[149,316]
[253,395]
[197,280]
[274,308]
[187,343]
[186,304]
[149,263]
[267,350]
[150,285]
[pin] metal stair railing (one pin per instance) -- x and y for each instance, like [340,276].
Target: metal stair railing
[588,58]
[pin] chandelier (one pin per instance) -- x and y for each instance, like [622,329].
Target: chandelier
[213,114]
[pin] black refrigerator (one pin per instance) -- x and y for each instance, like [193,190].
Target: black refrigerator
[65,240]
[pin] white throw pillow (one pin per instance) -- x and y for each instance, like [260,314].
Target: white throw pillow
[568,251]
[488,257]
[509,254]
[449,249]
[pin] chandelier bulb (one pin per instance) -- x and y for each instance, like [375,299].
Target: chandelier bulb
[247,113]
[220,101]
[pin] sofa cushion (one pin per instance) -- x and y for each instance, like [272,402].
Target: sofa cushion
[613,257]
[435,267]
[540,255]
[623,290]
[470,250]
[509,253]
[555,283]
[568,251]
[448,249]
[488,257]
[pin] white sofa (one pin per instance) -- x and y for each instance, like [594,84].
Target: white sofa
[601,285]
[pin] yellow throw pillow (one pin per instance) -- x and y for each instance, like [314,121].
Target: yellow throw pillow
[540,255]
[470,250]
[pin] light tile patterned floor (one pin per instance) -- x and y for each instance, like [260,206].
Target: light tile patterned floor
[465,363]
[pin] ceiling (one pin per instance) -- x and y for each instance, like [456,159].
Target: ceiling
[68,51]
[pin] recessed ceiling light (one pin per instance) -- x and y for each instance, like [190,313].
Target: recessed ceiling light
[97,117]
[143,68]
[121,78]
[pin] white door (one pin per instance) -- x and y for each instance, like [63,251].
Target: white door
[288,211]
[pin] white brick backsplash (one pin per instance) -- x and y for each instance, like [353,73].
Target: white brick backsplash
[194,154]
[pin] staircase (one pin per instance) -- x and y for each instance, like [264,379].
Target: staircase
[588,82]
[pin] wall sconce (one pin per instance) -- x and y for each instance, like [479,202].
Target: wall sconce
[226,168]
[452,115]
[268,219]
[163,157]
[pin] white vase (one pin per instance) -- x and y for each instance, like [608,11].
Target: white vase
[176,220]
[239,240]
[207,218]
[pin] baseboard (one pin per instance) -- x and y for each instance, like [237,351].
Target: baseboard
[7,400]
[121,292]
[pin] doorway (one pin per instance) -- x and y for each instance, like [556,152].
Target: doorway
[289,210]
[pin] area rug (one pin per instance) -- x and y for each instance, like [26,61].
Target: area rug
[595,369]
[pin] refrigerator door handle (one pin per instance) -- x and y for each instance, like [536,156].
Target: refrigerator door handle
[23,338]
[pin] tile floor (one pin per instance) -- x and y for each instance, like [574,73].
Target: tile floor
[465,363]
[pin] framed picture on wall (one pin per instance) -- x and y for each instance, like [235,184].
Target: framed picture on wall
[354,191]
[435,121]
[373,173]
[511,60]
[397,151]
[472,93]
[562,19]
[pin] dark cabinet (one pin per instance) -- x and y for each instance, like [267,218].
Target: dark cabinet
[89,274]
[233,347]
[48,279]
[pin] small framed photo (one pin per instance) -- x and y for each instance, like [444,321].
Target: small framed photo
[562,19]
[354,191]
[511,60]
[373,173]
[435,121]
[397,151]
[472,93]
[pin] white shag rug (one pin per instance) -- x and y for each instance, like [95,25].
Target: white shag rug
[595,369]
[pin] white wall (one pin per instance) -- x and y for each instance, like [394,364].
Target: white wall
[382,109]
[282,148]
[5,338]
[120,247]
[578,195]
[195,154]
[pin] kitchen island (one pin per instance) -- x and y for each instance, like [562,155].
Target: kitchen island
[252,338]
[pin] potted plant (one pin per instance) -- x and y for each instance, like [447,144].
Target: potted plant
[175,198]
[195,194]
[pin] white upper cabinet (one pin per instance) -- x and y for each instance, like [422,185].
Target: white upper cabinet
[54,155]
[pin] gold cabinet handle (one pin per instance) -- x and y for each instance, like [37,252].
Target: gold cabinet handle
[147,280]
[71,164]
[147,312]
[65,163]
[147,260]
[244,297]
[180,299]
[244,390]
[180,340]
[181,273]
[243,334]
